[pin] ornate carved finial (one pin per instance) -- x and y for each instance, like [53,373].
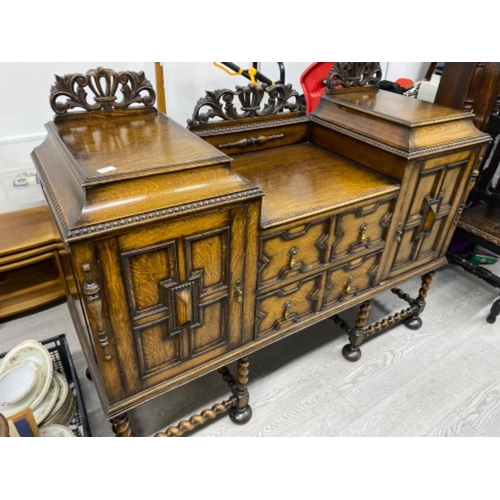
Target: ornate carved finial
[353,74]
[103,83]
[220,103]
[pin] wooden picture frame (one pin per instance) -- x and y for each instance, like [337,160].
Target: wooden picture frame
[23,424]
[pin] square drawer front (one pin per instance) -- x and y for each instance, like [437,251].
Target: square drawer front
[364,228]
[351,279]
[293,251]
[287,306]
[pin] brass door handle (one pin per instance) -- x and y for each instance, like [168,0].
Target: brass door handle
[292,253]
[286,307]
[348,288]
[238,292]
[399,234]
[362,232]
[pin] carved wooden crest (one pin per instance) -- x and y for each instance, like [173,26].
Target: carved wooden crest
[103,83]
[353,74]
[252,103]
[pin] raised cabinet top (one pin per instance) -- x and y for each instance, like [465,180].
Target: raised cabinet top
[108,128]
[404,126]
[120,163]
[130,145]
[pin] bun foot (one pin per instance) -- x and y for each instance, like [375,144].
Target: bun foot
[413,323]
[491,319]
[240,416]
[351,353]
[88,375]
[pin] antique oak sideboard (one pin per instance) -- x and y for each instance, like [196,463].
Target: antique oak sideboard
[183,258]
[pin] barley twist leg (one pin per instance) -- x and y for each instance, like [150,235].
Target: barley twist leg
[242,412]
[351,351]
[415,322]
[121,426]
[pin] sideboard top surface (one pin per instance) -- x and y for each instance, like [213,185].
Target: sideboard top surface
[130,145]
[407,127]
[399,109]
[305,179]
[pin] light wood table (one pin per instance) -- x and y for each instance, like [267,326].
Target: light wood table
[30,267]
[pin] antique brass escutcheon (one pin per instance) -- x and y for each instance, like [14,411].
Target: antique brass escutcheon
[292,253]
[238,292]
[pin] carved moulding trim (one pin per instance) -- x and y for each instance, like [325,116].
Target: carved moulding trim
[353,74]
[251,126]
[474,230]
[74,234]
[400,152]
[50,193]
[220,103]
[186,208]
[73,86]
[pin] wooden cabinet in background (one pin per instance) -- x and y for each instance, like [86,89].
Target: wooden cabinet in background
[31,271]
[185,258]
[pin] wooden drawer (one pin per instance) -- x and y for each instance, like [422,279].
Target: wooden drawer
[287,306]
[293,251]
[362,228]
[351,279]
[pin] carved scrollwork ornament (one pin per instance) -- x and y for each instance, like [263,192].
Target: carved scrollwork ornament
[250,103]
[103,83]
[353,74]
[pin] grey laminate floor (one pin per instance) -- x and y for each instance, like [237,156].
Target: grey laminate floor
[442,380]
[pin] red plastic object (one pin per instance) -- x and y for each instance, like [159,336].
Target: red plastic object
[406,83]
[312,84]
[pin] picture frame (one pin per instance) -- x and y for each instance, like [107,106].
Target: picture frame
[22,424]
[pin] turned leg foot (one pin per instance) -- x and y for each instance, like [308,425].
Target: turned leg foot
[87,374]
[242,412]
[351,353]
[414,323]
[121,426]
[495,311]
[240,416]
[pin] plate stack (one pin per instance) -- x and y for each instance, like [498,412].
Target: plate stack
[28,380]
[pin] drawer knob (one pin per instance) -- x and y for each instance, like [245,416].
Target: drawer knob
[362,232]
[292,253]
[238,292]
[286,307]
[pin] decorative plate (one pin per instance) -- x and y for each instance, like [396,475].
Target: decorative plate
[34,351]
[27,401]
[43,409]
[61,397]
[16,383]
[56,431]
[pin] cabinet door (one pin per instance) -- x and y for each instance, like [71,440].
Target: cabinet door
[170,294]
[435,195]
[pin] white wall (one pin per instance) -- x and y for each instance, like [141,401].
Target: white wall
[413,70]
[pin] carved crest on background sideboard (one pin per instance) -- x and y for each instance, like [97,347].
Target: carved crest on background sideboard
[104,84]
[252,103]
[353,74]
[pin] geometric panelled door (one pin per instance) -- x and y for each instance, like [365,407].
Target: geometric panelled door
[178,284]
